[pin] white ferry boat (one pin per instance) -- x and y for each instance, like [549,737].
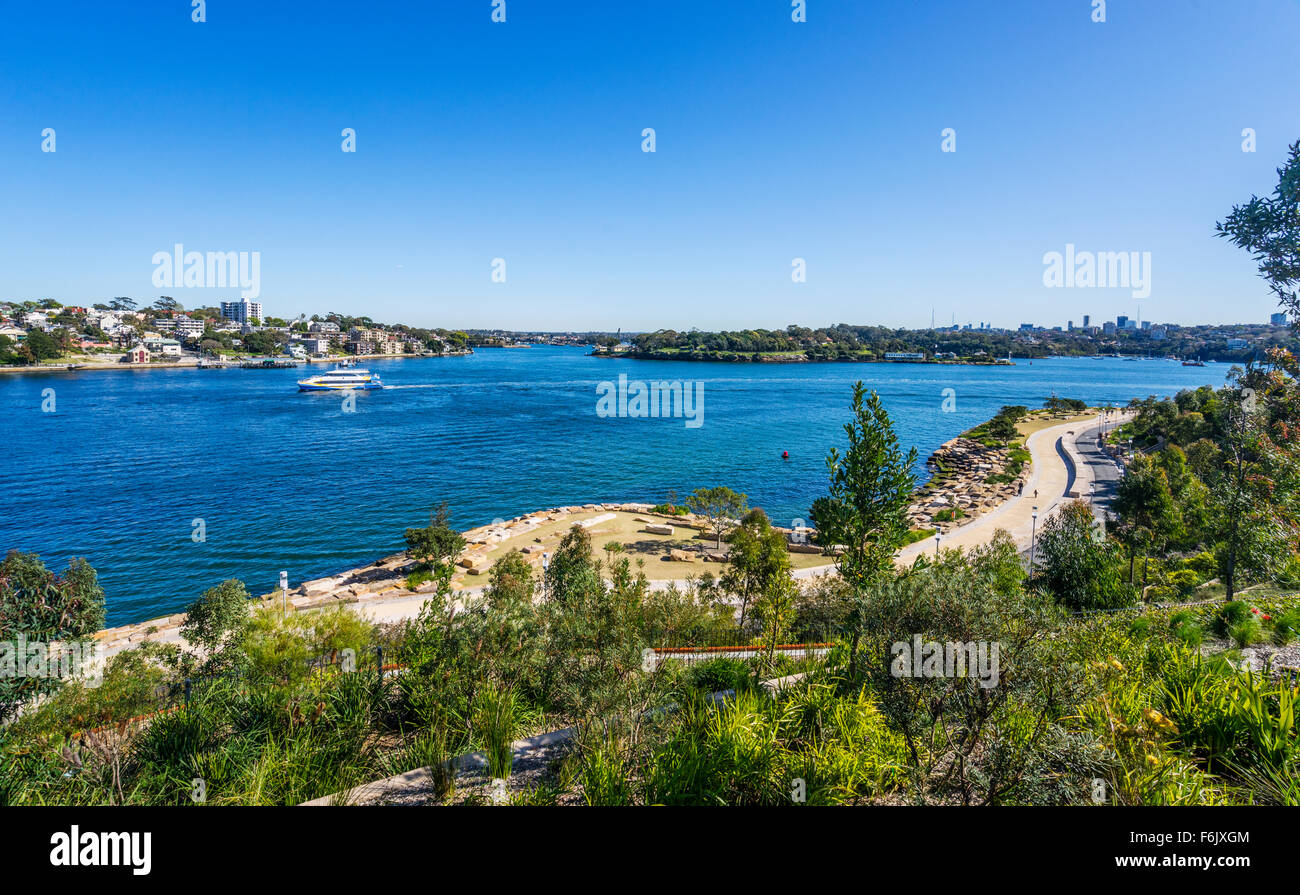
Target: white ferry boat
[340,379]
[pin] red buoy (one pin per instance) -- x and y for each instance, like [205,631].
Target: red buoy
[785,455]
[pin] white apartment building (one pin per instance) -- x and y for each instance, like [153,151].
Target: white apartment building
[242,311]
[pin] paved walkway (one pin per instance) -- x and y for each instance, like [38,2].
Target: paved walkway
[1053,479]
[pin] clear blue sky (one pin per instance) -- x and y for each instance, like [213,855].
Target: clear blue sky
[523,141]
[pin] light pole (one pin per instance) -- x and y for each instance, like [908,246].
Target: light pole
[937,539]
[1033,536]
[546,565]
[284,592]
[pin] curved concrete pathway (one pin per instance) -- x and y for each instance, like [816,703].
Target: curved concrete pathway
[1059,468]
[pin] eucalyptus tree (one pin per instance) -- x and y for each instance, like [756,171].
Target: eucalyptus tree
[1269,229]
[1253,487]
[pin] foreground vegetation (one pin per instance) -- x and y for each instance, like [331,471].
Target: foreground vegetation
[1149,706]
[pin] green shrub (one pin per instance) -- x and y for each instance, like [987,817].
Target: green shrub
[1184,581]
[1229,614]
[1285,627]
[1246,633]
[1159,593]
[495,725]
[135,682]
[851,753]
[418,577]
[1186,628]
[171,743]
[720,674]
[918,534]
[284,646]
[1203,564]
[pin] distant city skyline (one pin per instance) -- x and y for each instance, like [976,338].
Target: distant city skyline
[499,179]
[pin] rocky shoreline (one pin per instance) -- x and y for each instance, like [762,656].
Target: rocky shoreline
[960,490]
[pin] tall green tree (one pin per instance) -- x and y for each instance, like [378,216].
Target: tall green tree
[1249,498]
[1269,229]
[42,345]
[871,485]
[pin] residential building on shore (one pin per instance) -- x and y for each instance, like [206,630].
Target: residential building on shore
[164,347]
[242,311]
[187,327]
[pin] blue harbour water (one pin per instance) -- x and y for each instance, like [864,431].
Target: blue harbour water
[287,480]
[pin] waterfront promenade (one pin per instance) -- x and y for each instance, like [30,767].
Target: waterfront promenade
[1066,461]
